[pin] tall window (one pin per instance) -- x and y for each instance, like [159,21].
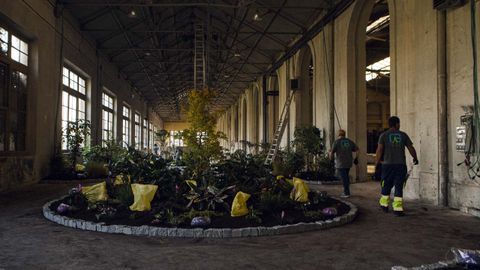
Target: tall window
[107,117]
[126,126]
[13,92]
[138,132]
[145,134]
[175,138]
[73,99]
[150,135]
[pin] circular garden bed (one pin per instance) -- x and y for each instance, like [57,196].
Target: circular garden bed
[220,227]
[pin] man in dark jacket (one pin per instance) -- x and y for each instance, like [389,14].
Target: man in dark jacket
[342,149]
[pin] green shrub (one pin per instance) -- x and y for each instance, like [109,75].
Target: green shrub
[271,202]
[96,169]
[124,194]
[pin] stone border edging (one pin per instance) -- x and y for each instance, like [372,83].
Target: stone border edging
[146,230]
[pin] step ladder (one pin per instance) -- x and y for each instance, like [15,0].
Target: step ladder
[199,57]
[282,124]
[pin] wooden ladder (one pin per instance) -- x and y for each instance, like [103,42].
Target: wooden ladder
[282,124]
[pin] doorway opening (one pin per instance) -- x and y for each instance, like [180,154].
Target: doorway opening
[304,96]
[377,77]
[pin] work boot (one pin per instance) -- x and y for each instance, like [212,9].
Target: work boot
[384,208]
[399,213]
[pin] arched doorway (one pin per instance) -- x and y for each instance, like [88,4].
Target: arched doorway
[243,138]
[377,76]
[304,96]
[272,106]
[255,115]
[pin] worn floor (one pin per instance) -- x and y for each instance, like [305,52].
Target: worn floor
[374,241]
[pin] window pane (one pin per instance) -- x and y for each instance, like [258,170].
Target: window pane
[81,105]
[15,42]
[23,59]
[64,98]
[15,54]
[3,43]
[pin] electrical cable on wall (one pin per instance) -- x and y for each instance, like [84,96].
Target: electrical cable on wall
[329,78]
[473,128]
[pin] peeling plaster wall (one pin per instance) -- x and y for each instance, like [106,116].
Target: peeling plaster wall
[415,89]
[36,19]
[463,193]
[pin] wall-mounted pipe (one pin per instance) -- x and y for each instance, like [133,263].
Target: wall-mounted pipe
[443,163]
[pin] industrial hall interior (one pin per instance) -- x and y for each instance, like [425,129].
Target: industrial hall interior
[239,134]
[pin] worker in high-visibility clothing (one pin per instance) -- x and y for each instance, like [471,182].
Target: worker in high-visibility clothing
[391,146]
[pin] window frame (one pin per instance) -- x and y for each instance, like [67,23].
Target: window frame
[76,94]
[11,67]
[126,131]
[110,112]
[137,133]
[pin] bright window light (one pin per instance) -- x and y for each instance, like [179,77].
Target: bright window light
[380,67]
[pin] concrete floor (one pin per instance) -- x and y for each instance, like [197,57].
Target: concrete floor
[374,241]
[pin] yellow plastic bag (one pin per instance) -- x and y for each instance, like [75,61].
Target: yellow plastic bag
[95,193]
[79,168]
[121,179]
[191,183]
[239,204]
[300,190]
[281,177]
[142,196]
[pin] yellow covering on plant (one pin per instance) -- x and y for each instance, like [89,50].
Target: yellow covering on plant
[191,183]
[122,179]
[280,177]
[300,190]
[239,204]
[142,196]
[95,193]
[79,168]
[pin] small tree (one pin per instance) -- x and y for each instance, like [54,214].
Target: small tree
[76,134]
[201,139]
[309,143]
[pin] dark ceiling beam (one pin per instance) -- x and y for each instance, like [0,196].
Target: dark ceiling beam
[272,20]
[142,4]
[117,32]
[254,28]
[92,17]
[166,49]
[286,17]
[120,25]
[186,32]
[309,34]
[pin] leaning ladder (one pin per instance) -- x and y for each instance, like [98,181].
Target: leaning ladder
[199,57]
[282,124]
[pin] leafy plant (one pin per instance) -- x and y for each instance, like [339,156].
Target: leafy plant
[76,134]
[274,202]
[201,139]
[96,169]
[309,143]
[246,171]
[124,194]
[208,197]
[288,163]
[254,215]
[108,153]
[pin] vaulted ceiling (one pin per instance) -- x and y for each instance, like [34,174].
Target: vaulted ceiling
[153,41]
